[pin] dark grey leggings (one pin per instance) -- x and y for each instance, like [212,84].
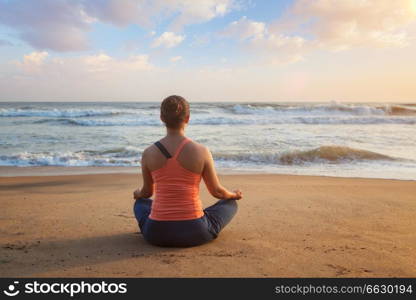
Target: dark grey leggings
[184,233]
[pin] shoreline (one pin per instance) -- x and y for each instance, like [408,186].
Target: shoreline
[286,226]
[35,171]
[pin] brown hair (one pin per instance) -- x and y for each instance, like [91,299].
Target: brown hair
[174,110]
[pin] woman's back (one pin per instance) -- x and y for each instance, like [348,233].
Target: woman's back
[176,177]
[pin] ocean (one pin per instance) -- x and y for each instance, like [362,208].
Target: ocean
[331,139]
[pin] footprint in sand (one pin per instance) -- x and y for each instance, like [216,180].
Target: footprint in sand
[5,261]
[124,216]
[14,247]
[20,246]
[366,271]
[339,270]
[168,261]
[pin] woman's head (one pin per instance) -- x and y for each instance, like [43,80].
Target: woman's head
[174,112]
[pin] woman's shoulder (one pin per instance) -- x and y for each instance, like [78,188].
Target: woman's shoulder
[151,149]
[195,146]
[195,150]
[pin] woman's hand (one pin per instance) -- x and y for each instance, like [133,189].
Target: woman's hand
[237,194]
[137,194]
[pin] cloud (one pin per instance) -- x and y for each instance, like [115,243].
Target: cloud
[117,12]
[168,40]
[47,24]
[245,29]
[331,25]
[5,43]
[98,63]
[98,76]
[61,25]
[36,58]
[175,58]
[102,63]
[281,48]
[39,63]
[277,48]
[340,25]
[33,61]
[191,11]
[144,12]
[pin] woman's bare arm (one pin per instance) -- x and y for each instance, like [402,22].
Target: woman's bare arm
[212,182]
[147,190]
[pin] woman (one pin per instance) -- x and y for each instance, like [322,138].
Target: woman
[173,167]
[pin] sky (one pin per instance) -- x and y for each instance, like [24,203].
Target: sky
[208,50]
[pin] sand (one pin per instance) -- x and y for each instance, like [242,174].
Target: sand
[287,226]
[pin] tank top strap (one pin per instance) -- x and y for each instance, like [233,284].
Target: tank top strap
[180,147]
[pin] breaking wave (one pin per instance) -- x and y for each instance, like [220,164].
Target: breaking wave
[58,113]
[323,154]
[100,122]
[333,108]
[130,156]
[332,154]
[123,156]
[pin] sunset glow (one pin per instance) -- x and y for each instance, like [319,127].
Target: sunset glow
[223,50]
[413,5]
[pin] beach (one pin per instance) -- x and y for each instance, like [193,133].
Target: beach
[287,226]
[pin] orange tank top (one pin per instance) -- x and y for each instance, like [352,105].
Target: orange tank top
[177,190]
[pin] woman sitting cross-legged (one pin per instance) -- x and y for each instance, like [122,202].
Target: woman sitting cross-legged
[173,168]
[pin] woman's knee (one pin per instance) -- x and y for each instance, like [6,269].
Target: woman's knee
[231,205]
[234,206]
[142,206]
[142,202]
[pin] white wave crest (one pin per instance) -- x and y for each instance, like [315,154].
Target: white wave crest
[58,113]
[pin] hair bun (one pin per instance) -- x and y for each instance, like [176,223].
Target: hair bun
[174,110]
[179,108]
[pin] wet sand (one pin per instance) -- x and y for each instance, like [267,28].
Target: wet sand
[287,226]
